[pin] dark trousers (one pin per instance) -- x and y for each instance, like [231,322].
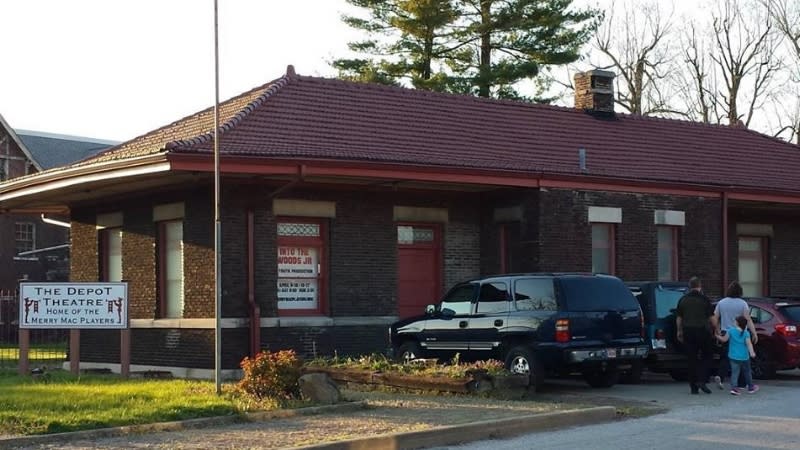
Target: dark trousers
[699,348]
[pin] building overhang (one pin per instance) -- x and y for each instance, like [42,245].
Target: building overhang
[55,191]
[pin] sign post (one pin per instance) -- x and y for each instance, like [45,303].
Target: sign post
[75,306]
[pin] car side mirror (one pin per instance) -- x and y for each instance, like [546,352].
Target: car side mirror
[430,309]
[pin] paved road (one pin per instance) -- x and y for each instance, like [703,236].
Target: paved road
[769,419]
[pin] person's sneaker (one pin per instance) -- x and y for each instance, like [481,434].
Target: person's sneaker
[718,380]
[753,389]
[735,391]
[705,389]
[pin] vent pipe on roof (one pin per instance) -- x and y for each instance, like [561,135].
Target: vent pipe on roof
[582,159]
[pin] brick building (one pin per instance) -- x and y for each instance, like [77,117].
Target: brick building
[30,248]
[346,206]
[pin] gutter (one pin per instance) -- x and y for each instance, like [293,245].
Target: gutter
[55,222]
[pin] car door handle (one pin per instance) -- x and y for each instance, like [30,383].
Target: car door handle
[462,324]
[498,323]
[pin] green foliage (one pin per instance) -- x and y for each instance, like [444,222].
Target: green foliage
[479,47]
[380,363]
[68,403]
[271,376]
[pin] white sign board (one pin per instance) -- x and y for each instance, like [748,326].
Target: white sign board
[298,269]
[73,305]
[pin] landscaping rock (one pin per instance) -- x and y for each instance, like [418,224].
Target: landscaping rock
[319,388]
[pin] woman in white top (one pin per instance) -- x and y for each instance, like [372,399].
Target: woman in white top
[725,314]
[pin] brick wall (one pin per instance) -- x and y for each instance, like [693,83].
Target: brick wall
[363,251]
[310,342]
[462,243]
[565,239]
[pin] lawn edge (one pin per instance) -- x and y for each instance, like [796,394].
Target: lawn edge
[178,425]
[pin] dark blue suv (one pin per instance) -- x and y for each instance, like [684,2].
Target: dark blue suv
[538,323]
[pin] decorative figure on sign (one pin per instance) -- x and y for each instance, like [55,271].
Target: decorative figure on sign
[118,303]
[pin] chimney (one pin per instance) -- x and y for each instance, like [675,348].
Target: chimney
[594,91]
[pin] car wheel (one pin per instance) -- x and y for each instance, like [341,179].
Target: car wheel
[679,375]
[408,351]
[522,361]
[601,378]
[762,365]
[634,374]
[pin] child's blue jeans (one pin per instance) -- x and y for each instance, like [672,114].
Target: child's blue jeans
[742,367]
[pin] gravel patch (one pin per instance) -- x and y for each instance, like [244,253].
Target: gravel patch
[387,413]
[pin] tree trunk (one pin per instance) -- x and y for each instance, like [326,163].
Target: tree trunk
[485,67]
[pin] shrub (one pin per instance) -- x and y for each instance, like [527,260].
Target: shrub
[271,376]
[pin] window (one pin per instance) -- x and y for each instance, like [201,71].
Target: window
[459,299]
[603,248]
[667,253]
[759,315]
[753,266]
[170,251]
[667,300]
[493,298]
[301,262]
[25,236]
[111,254]
[535,294]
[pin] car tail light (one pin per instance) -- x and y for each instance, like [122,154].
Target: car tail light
[562,330]
[660,334]
[786,329]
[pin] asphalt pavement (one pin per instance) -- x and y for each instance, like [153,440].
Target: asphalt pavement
[769,419]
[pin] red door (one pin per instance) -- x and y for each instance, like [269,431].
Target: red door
[418,268]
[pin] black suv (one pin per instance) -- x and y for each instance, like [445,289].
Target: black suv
[539,324]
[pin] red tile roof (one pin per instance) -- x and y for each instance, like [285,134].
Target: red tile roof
[308,117]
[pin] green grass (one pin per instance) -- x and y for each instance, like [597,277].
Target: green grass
[63,402]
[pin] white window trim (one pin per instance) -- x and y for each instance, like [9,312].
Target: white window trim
[602,214]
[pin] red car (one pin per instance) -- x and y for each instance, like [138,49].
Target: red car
[778,348]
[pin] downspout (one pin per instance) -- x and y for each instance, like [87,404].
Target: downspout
[724,242]
[252,307]
[55,222]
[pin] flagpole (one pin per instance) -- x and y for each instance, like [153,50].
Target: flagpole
[217,223]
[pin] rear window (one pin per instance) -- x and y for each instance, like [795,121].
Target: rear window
[597,294]
[667,300]
[792,312]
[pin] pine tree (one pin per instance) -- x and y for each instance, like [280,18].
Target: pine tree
[406,36]
[482,47]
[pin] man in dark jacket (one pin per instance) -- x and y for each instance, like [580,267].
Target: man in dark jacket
[694,324]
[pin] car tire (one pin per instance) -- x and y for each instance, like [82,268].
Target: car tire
[601,378]
[763,367]
[521,360]
[679,375]
[634,374]
[408,351]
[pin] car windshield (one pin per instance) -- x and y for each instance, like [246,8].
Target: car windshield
[667,300]
[597,294]
[792,312]
[459,299]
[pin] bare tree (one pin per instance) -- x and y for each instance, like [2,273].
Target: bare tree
[637,44]
[694,76]
[745,57]
[786,16]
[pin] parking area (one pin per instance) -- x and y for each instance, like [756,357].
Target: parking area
[656,390]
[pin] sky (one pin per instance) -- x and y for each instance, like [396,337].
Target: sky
[116,69]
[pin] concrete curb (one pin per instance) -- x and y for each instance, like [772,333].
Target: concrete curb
[475,431]
[104,433]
